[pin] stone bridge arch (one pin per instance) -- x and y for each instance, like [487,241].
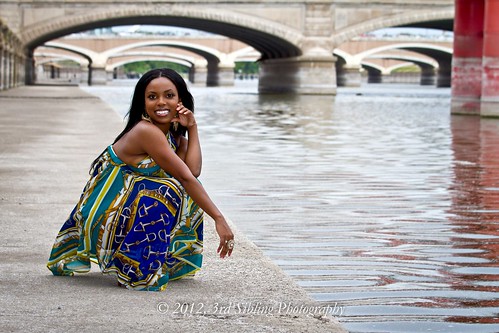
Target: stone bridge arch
[376,72]
[398,19]
[43,58]
[217,70]
[144,57]
[245,54]
[427,49]
[273,40]
[441,54]
[210,54]
[46,57]
[89,55]
[195,77]
[348,66]
[111,68]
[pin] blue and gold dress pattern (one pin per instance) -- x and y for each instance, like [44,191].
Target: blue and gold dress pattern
[136,222]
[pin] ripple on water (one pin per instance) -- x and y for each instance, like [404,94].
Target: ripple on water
[382,203]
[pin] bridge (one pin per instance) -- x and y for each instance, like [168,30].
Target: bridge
[204,56]
[211,59]
[296,39]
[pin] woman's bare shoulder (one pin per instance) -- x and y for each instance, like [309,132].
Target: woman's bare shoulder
[143,126]
[144,129]
[134,138]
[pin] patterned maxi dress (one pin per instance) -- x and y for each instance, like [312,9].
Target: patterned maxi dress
[136,222]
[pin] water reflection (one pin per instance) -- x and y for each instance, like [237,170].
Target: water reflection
[475,210]
[377,200]
[355,199]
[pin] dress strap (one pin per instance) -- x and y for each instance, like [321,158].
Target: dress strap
[172,141]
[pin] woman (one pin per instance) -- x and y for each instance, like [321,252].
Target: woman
[140,215]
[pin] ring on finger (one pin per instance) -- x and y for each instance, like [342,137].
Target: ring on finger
[229,244]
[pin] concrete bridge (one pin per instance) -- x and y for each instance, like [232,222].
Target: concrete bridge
[296,39]
[211,59]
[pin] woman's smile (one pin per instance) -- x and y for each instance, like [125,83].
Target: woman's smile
[162,112]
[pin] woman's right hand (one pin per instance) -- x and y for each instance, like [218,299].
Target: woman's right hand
[226,238]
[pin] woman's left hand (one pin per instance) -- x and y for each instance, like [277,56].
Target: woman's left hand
[185,117]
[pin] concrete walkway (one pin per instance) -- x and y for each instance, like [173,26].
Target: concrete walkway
[48,138]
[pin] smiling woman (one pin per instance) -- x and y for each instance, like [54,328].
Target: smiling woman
[140,216]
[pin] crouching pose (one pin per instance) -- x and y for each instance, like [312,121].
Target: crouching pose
[140,215]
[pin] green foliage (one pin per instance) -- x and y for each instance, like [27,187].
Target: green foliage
[68,63]
[246,68]
[408,69]
[135,69]
[140,67]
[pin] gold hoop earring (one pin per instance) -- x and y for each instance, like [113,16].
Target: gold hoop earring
[146,117]
[175,126]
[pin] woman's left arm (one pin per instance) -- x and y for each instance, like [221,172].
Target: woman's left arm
[189,149]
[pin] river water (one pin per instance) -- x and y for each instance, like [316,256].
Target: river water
[376,200]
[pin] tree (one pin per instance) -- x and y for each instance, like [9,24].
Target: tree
[138,68]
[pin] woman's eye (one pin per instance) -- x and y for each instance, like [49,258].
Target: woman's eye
[169,95]
[151,97]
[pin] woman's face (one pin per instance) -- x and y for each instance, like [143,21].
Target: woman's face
[161,99]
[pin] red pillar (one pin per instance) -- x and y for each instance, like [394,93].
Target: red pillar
[467,56]
[490,84]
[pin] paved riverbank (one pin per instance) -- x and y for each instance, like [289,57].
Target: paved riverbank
[48,138]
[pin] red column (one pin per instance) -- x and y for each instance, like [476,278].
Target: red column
[490,84]
[467,56]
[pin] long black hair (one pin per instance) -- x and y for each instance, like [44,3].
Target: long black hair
[138,100]
[137,107]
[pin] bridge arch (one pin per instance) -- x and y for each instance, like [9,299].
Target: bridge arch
[433,51]
[44,57]
[53,72]
[443,56]
[210,54]
[412,18]
[208,70]
[414,60]
[89,55]
[374,72]
[381,69]
[271,39]
[111,68]
[172,59]
[347,57]
[218,68]
[427,66]
[183,60]
[348,65]
[81,51]
[246,54]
